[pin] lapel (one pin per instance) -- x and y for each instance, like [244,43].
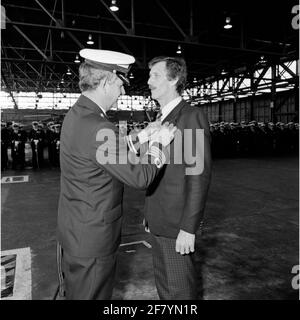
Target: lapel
[173,116]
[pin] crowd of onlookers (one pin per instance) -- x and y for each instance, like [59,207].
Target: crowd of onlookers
[39,145]
[254,138]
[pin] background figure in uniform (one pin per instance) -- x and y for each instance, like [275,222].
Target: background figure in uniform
[175,201]
[49,136]
[5,142]
[36,137]
[56,144]
[41,143]
[18,139]
[94,167]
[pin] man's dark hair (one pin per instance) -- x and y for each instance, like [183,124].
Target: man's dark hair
[176,68]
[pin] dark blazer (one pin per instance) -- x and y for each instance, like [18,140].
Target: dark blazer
[91,194]
[176,200]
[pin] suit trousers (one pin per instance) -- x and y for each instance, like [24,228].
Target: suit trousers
[175,274]
[88,278]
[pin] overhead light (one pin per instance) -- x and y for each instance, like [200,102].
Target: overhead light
[77,59]
[90,40]
[68,72]
[262,59]
[223,72]
[228,24]
[178,49]
[195,80]
[131,76]
[113,6]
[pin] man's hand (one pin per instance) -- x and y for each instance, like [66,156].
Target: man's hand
[185,242]
[165,134]
[149,132]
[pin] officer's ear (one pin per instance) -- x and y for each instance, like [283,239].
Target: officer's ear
[112,78]
[104,82]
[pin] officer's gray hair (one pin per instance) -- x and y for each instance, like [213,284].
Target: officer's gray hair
[90,77]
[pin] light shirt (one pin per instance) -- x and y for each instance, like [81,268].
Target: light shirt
[166,110]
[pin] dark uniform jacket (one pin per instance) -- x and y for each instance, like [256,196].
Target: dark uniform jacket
[176,200]
[36,135]
[21,136]
[5,136]
[90,203]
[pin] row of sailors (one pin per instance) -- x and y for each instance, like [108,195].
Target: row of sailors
[254,138]
[230,139]
[127,127]
[14,137]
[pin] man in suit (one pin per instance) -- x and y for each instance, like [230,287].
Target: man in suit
[94,168]
[175,201]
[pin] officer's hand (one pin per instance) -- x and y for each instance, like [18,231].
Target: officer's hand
[165,134]
[149,132]
[185,242]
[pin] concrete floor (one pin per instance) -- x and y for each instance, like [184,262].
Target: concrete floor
[249,246]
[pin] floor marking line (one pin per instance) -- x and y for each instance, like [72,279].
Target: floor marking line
[14,179]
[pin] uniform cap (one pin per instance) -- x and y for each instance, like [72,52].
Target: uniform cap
[112,61]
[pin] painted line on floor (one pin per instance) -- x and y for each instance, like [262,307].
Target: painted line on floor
[145,243]
[14,179]
[22,280]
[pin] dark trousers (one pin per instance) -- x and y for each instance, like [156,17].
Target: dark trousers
[88,278]
[18,156]
[37,155]
[4,156]
[175,274]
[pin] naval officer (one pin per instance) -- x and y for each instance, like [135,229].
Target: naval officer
[93,174]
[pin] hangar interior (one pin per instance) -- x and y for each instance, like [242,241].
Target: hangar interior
[243,71]
[242,58]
